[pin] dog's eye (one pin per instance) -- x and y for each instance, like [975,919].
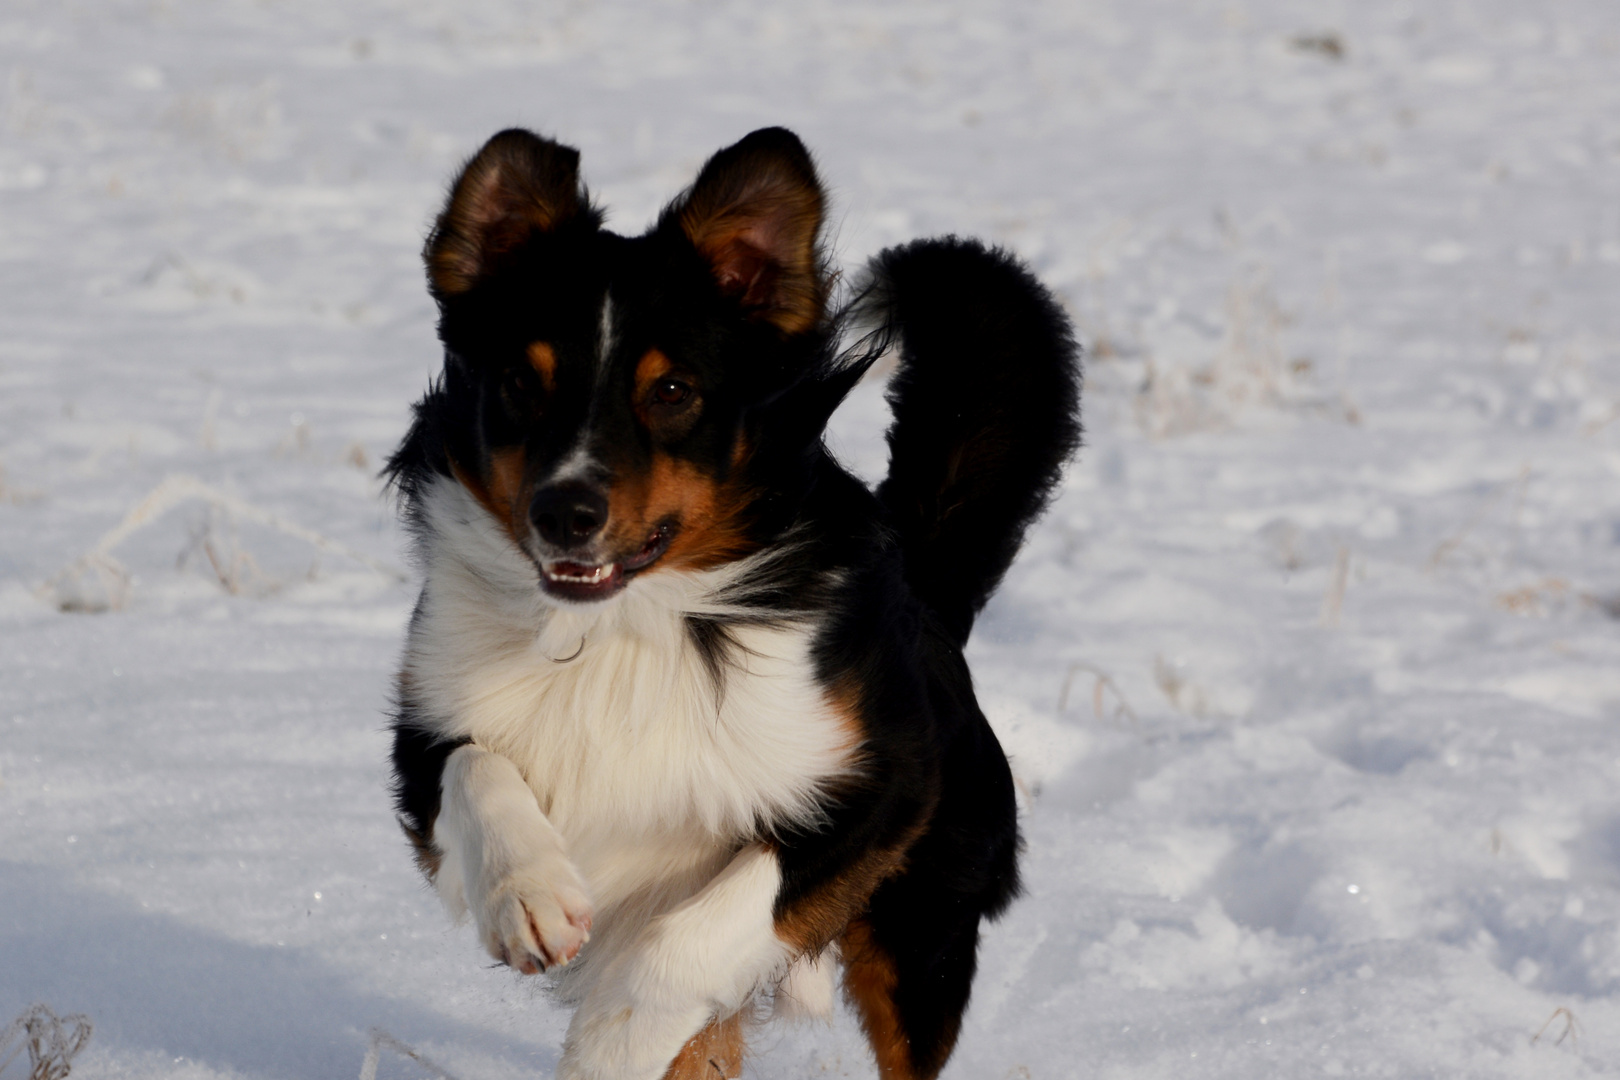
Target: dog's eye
[671,392]
[520,393]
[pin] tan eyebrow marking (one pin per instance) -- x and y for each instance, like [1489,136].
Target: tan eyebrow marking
[649,369]
[652,366]
[543,358]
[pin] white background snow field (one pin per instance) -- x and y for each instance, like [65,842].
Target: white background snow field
[1311,678]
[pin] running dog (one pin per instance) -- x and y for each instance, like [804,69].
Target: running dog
[683,719]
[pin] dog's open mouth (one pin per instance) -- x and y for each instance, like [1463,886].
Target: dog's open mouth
[583,582]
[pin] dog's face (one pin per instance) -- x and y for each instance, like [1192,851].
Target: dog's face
[603,390]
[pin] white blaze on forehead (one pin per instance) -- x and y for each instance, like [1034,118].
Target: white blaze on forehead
[605,336]
[578,464]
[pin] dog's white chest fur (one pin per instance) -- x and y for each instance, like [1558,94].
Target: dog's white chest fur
[651,776]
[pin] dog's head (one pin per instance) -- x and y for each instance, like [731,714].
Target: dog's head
[616,402]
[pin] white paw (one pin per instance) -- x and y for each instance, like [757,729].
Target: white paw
[535,918]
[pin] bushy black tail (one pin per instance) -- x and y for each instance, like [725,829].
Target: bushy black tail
[986,413]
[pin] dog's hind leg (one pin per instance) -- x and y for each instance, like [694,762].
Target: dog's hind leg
[910,990]
[870,979]
[715,1053]
[909,960]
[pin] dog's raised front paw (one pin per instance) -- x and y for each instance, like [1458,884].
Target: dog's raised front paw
[535,918]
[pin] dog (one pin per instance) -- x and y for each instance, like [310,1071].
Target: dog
[683,719]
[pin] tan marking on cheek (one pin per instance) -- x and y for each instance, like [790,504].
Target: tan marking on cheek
[713,529]
[506,479]
[629,525]
[711,515]
[869,982]
[543,358]
[715,1053]
[500,490]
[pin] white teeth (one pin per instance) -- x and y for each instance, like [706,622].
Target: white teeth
[596,576]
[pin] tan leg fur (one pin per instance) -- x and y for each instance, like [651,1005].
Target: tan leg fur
[715,1053]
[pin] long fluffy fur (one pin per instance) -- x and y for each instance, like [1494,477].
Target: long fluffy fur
[986,412]
[695,759]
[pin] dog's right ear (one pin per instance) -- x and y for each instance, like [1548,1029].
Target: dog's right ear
[754,213]
[519,184]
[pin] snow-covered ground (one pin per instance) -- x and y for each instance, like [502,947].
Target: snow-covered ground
[1311,677]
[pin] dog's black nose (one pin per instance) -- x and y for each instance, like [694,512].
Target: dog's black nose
[568,515]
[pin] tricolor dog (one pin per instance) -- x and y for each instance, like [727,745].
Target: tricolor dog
[683,720]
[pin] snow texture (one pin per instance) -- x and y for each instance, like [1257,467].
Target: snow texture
[1311,677]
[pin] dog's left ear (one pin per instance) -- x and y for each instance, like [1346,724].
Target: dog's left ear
[754,213]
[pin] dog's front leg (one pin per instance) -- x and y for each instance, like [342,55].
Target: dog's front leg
[506,863]
[702,959]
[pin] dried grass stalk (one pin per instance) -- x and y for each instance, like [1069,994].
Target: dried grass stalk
[52,1042]
[380,1039]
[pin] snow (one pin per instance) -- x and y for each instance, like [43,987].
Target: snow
[1309,678]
